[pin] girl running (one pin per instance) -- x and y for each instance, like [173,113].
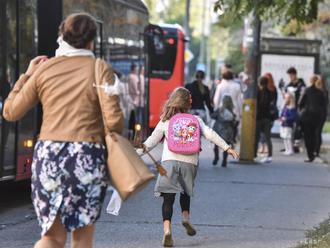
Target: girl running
[181,167]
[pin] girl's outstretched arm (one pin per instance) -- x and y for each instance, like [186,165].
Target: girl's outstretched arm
[155,137]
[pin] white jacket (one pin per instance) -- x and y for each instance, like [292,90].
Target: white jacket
[230,88]
[162,129]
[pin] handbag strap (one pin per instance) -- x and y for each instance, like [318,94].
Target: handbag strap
[99,95]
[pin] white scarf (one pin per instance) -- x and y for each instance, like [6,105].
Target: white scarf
[65,49]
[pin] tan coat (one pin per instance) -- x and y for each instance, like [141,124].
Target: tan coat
[71,111]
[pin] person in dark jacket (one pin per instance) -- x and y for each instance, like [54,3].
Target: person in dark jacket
[299,87]
[273,109]
[311,105]
[320,85]
[264,122]
[200,94]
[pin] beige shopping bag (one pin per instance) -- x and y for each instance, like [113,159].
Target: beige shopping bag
[127,170]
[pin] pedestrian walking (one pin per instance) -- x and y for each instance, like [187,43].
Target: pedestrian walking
[264,122]
[200,94]
[225,126]
[69,178]
[288,119]
[324,113]
[312,110]
[274,113]
[229,87]
[299,86]
[181,130]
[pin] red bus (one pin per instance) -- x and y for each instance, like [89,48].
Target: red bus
[29,28]
[165,46]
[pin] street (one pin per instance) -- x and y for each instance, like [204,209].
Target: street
[249,206]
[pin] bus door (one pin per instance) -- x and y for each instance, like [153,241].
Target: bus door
[17,47]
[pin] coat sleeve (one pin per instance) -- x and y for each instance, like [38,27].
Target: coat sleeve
[216,98]
[112,113]
[21,99]
[239,101]
[208,100]
[156,136]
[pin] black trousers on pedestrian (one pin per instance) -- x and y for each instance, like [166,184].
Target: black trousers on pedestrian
[319,138]
[264,126]
[167,208]
[224,154]
[311,130]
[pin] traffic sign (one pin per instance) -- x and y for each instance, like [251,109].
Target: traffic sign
[188,56]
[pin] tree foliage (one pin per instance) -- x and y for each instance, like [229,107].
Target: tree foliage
[303,11]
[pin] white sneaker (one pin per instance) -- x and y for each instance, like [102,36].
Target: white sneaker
[287,153]
[266,160]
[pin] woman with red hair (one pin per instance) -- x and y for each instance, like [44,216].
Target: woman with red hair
[273,108]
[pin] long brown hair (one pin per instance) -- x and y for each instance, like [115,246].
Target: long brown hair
[178,102]
[271,85]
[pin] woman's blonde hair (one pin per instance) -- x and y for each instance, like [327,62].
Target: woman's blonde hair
[178,102]
[316,80]
[289,98]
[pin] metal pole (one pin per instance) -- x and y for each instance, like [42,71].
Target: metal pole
[208,47]
[187,31]
[202,44]
[250,97]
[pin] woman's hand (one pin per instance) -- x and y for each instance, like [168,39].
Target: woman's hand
[34,64]
[233,153]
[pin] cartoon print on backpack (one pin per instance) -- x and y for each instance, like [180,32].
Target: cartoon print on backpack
[184,134]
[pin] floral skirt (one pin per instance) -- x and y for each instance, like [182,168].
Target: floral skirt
[68,179]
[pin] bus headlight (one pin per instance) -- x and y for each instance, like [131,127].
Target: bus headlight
[28,143]
[138,127]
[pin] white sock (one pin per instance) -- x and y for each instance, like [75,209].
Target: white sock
[285,145]
[290,146]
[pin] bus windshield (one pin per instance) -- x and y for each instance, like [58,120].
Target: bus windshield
[162,50]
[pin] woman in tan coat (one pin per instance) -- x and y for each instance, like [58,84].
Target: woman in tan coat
[69,167]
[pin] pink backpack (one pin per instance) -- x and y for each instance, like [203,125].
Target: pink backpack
[184,135]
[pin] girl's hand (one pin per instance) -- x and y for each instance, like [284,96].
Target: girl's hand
[233,153]
[141,149]
[34,64]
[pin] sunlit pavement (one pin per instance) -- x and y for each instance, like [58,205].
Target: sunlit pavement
[252,206]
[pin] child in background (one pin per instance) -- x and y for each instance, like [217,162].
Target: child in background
[225,126]
[181,168]
[288,118]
